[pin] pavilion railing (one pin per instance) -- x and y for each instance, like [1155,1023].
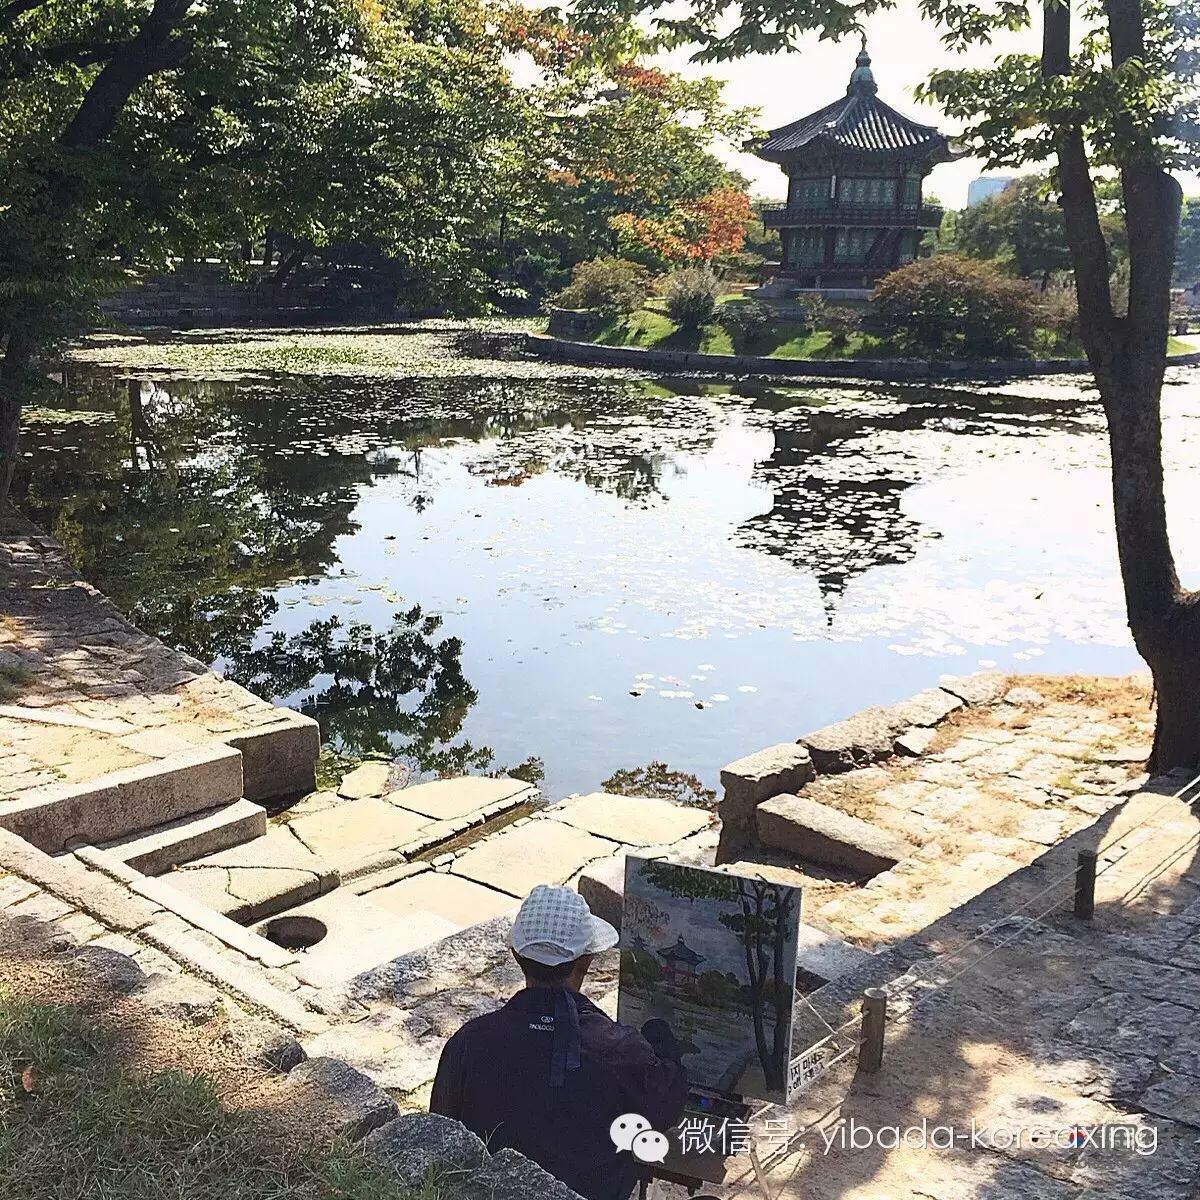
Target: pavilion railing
[775,216]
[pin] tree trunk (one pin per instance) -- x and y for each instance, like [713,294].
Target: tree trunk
[14,372]
[1128,355]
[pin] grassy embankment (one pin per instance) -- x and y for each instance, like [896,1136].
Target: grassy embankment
[787,337]
[78,1120]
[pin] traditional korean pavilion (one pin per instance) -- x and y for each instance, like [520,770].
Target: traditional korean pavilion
[855,175]
[680,962]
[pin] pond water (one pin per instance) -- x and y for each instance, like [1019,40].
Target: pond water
[473,563]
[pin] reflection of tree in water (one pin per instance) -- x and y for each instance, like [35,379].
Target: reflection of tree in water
[400,693]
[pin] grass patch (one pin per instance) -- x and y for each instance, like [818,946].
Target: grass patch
[75,1122]
[788,337]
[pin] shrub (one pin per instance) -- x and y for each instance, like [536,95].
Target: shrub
[957,306]
[841,323]
[615,286]
[691,296]
[816,312]
[1058,311]
[744,320]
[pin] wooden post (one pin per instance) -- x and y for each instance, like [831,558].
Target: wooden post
[1085,885]
[874,1019]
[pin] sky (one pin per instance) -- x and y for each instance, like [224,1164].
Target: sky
[904,49]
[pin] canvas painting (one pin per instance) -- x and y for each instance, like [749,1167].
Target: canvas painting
[715,956]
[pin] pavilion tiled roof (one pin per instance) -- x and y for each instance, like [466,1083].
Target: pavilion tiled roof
[859,121]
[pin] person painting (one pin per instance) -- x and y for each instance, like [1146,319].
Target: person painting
[548,1073]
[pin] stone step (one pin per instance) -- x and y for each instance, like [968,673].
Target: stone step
[189,838]
[257,879]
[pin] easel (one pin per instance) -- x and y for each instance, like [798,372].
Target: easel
[707,1104]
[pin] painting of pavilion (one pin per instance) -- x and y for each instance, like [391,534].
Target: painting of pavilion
[714,955]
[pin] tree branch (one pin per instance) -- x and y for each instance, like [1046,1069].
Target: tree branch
[1089,251]
[11,13]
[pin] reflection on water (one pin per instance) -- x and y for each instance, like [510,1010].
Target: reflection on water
[474,569]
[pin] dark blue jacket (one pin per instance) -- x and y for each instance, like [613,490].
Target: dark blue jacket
[495,1077]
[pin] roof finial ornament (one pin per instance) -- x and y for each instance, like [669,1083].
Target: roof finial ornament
[862,81]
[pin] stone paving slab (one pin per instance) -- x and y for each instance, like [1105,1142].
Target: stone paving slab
[97,695]
[360,935]
[518,859]
[632,820]
[257,879]
[451,799]
[459,901]
[351,833]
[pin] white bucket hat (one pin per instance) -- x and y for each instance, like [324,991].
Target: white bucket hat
[555,926]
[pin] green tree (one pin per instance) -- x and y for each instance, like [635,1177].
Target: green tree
[1113,88]
[1022,227]
[1187,259]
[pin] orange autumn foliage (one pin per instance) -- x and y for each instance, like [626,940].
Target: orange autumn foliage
[696,230]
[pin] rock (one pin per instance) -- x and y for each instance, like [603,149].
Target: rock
[915,742]
[984,687]
[508,1175]
[1024,697]
[390,1046]
[118,971]
[179,999]
[340,1097]
[420,1146]
[1177,1097]
[267,1045]
[821,834]
[449,1011]
[927,708]
[1122,1019]
[1148,979]
[855,742]
[370,779]
[749,781]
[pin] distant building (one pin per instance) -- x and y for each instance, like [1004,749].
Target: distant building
[856,170]
[680,962]
[985,188]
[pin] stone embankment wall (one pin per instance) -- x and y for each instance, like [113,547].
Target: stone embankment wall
[882,370]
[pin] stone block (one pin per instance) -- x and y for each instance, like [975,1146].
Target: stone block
[508,1175]
[340,1098]
[459,901]
[360,935]
[749,781]
[915,742]
[817,833]
[242,981]
[117,972]
[360,830]
[423,1146]
[602,885]
[192,837]
[453,799]
[123,802]
[984,687]
[518,859]
[267,1046]
[857,741]
[632,820]
[279,759]
[370,779]
[392,1048]
[927,708]
[89,891]
[198,915]
[1024,697]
